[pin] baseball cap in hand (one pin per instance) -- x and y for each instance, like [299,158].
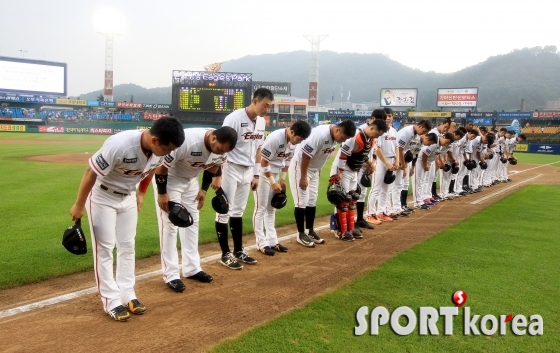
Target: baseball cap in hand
[178,215]
[220,202]
[279,200]
[389,177]
[74,240]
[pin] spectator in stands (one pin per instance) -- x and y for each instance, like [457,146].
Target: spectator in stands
[542,130]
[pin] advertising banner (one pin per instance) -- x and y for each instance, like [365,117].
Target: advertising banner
[341,113]
[77,130]
[12,128]
[521,147]
[515,114]
[71,101]
[152,116]
[481,121]
[429,114]
[107,104]
[100,130]
[312,96]
[398,97]
[284,88]
[156,106]
[57,129]
[538,148]
[11,97]
[457,97]
[93,103]
[39,100]
[129,105]
[546,114]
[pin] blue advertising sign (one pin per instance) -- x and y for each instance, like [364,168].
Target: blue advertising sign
[39,100]
[10,98]
[480,121]
[542,148]
[107,104]
[93,103]
[515,115]
[341,113]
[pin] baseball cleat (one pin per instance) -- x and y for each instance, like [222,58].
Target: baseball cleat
[357,235]
[384,218]
[315,238]
[177,285]
[364,224]
[229,261]
[135,307]
[242,256]
[304,240]
[202,277]
[267,250]
[346,236]
[119,313]
[280,248]
[373,219]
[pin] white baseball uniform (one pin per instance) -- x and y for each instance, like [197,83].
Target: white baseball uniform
[237,173]
[184,165]
[422,178]
[408,140]
[476,146]
[278,152]
[502,167]
[379,192]
[318,146]
[462,144]
[120,164]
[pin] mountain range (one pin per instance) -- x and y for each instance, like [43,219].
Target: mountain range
[532,74]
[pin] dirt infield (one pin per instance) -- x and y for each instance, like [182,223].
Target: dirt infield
[68,158]
[236,301]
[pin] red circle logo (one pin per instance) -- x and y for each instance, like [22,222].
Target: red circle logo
[459,298]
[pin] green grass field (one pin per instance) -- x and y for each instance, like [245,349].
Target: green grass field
[505,258]
[36,199]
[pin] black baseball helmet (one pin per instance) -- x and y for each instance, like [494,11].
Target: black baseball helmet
[483,165]
[471,165]
[365,180]
[446,167]
[279,200]
[389,177]
[179,215]
[74,239]
[408,156]
[336,194]
[220,202]
[503,160]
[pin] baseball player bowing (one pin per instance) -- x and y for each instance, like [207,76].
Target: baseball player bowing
[276,154]
[309,158]
[351,157]
[177,180]
[240,175]
[108,188]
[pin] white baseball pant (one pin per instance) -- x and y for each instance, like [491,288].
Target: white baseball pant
[378,193]
[236,184]
[183,191]
[420,179]
[307,197]
[264,215]
[112,222]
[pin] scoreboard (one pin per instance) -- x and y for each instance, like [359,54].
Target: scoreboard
[209,96]
[211,99]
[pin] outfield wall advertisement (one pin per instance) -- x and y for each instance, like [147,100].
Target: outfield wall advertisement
[13,128]
[542,148]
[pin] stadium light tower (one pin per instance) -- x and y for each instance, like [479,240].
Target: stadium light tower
[109,24]
[313,95]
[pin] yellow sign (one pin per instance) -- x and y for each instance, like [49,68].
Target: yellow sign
[17,128]
[71,101]
[521,147]
[429,114]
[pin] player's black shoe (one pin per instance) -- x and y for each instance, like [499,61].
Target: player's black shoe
[119,313]
[364,224]
[267,250]
[229,260]
[202,277]
[135,307]
[304,240]
[242,256]
[177,285]
[315,238]
[280,248]
[357,235]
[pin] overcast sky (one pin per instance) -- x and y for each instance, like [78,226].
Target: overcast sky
[438,35]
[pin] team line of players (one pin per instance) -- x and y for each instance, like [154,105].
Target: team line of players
[118,176]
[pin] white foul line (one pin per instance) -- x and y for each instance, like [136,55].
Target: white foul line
[73,295]
[504,189]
